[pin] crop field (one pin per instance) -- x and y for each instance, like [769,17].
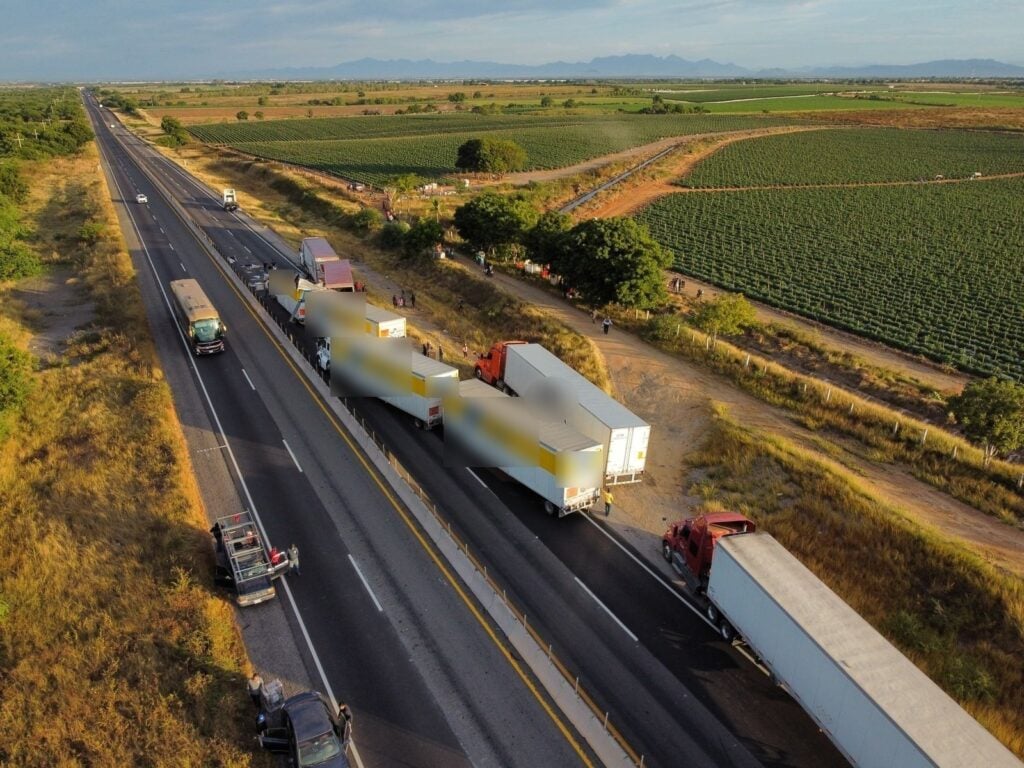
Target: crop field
[427,146]
[859,155]
[933,269]
[759,91]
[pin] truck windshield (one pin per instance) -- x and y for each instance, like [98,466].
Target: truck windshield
[206,330]
[319,750]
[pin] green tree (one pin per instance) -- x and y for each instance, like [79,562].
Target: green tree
[992,413]
[258,115]
[392,234]
[262,101]
[422,237]
[457,97]
[490,156]
[170,124]
[547,101]
[12,184]
[614,261]
[490,220]
[241,115]
[548,237]
[366,220]
[726,315]
[569,103]
[477,95]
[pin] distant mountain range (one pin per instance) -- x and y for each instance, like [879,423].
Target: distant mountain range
[627,66]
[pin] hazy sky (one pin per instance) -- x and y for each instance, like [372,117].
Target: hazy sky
[69,39]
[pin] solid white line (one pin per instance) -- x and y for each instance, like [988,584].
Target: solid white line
[171,246]
[614,617]
[162,231]
[380,608]
[656,576]
[246,247]
[477,478]
[231,454]
[182,267]
[230,232]
[251,385]
[288,448]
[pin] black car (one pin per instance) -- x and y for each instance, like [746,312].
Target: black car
[309,732]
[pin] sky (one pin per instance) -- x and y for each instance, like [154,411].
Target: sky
[118,39]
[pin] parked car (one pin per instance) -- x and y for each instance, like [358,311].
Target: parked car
[306,729]
[141,198]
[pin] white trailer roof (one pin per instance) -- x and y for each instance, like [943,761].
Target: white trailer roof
[916,705]
[427,366]
[378,315]
[319,248]
[609,410]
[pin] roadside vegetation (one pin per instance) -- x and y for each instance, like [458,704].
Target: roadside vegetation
[113,650]
[960,620]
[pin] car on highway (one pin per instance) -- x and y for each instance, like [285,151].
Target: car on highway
[307,730]
[141,198]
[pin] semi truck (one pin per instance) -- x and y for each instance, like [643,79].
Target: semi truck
[874,704]
[323,266]
[552,444]
[529,370]
[294,300]
[229,200]
[242,560]
[379,323]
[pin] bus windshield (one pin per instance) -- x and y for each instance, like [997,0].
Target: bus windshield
[206,330]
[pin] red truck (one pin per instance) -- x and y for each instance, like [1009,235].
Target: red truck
[490,368]
[689,547]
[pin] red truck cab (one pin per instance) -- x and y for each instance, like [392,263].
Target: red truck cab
[689,545]
[490,368]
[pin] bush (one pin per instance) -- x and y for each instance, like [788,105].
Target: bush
[366,220]
[15,380]
[392,235]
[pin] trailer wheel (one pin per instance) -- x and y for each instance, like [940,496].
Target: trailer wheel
[550,509]
[418,423]
[713,614]
[666,551]
[726,631]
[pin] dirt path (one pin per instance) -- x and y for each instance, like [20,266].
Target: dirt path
[678,398]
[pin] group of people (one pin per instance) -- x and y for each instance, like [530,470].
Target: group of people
[606,324]
[400,300]
[428,349]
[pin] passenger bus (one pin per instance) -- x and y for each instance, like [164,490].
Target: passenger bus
[202,324]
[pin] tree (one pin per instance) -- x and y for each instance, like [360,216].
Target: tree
[547,101]
[366,220]
[726,315]
[262,101]
[423,236]
[992,413]
[477,95]
[457,97]
[258,115]
[392,234]
[613,261]
[400,187]
[490,220]
[569,103]
[12,184]
[548,236]
[490,156]
[242,115]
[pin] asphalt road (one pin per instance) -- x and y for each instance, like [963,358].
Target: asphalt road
[426,684]
[677,692]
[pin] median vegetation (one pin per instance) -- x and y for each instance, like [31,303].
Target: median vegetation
[113,650]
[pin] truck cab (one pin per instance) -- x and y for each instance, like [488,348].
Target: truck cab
[307,730]
[689,545]
[490,367]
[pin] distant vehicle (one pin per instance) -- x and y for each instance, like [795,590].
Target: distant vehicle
[111,125]
[141,198]
[230,200]
[306,728]
[356,186]
[203,326]
[242,561]
[322,265]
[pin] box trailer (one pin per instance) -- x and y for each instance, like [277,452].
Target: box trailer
[322,265]
[384,324]
[523,368]
[878,708]
[555,443]
[427,378]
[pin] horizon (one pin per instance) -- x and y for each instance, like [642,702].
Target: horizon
[197,40]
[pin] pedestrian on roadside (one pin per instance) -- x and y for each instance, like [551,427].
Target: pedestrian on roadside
[607,498]
[412,299]
[700,292]
[440,353]
[465,349]
[401,301]
[606,325]
[593,316]
[426,348]
[293,558]
[253,686]
[394,300]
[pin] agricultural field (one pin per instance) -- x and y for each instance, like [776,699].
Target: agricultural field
[859,155]
[719,93]
[934,269]
[427,145]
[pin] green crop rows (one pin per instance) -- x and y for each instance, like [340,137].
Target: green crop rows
[934,269]
[427,146]
[756,92]
[859,155]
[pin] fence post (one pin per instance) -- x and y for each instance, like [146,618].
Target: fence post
[895,427]
[924,436]
[954,451]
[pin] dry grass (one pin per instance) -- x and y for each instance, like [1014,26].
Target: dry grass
[957,618]
[113,649]
[992,118]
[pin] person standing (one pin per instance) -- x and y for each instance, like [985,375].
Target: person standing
[440,354]
[426,348]
[593,317]
[253,686]
[412,299]
[606,325]
[607,498]
[465,349]
[293,558]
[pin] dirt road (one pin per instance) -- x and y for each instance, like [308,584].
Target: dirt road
[678,397]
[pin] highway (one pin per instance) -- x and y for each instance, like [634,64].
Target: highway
[676,692]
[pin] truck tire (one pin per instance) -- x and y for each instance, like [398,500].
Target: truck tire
[478,373]
[666,551]
[550,509]
[500,385]
[713,615]
[726,631]
[418,423]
